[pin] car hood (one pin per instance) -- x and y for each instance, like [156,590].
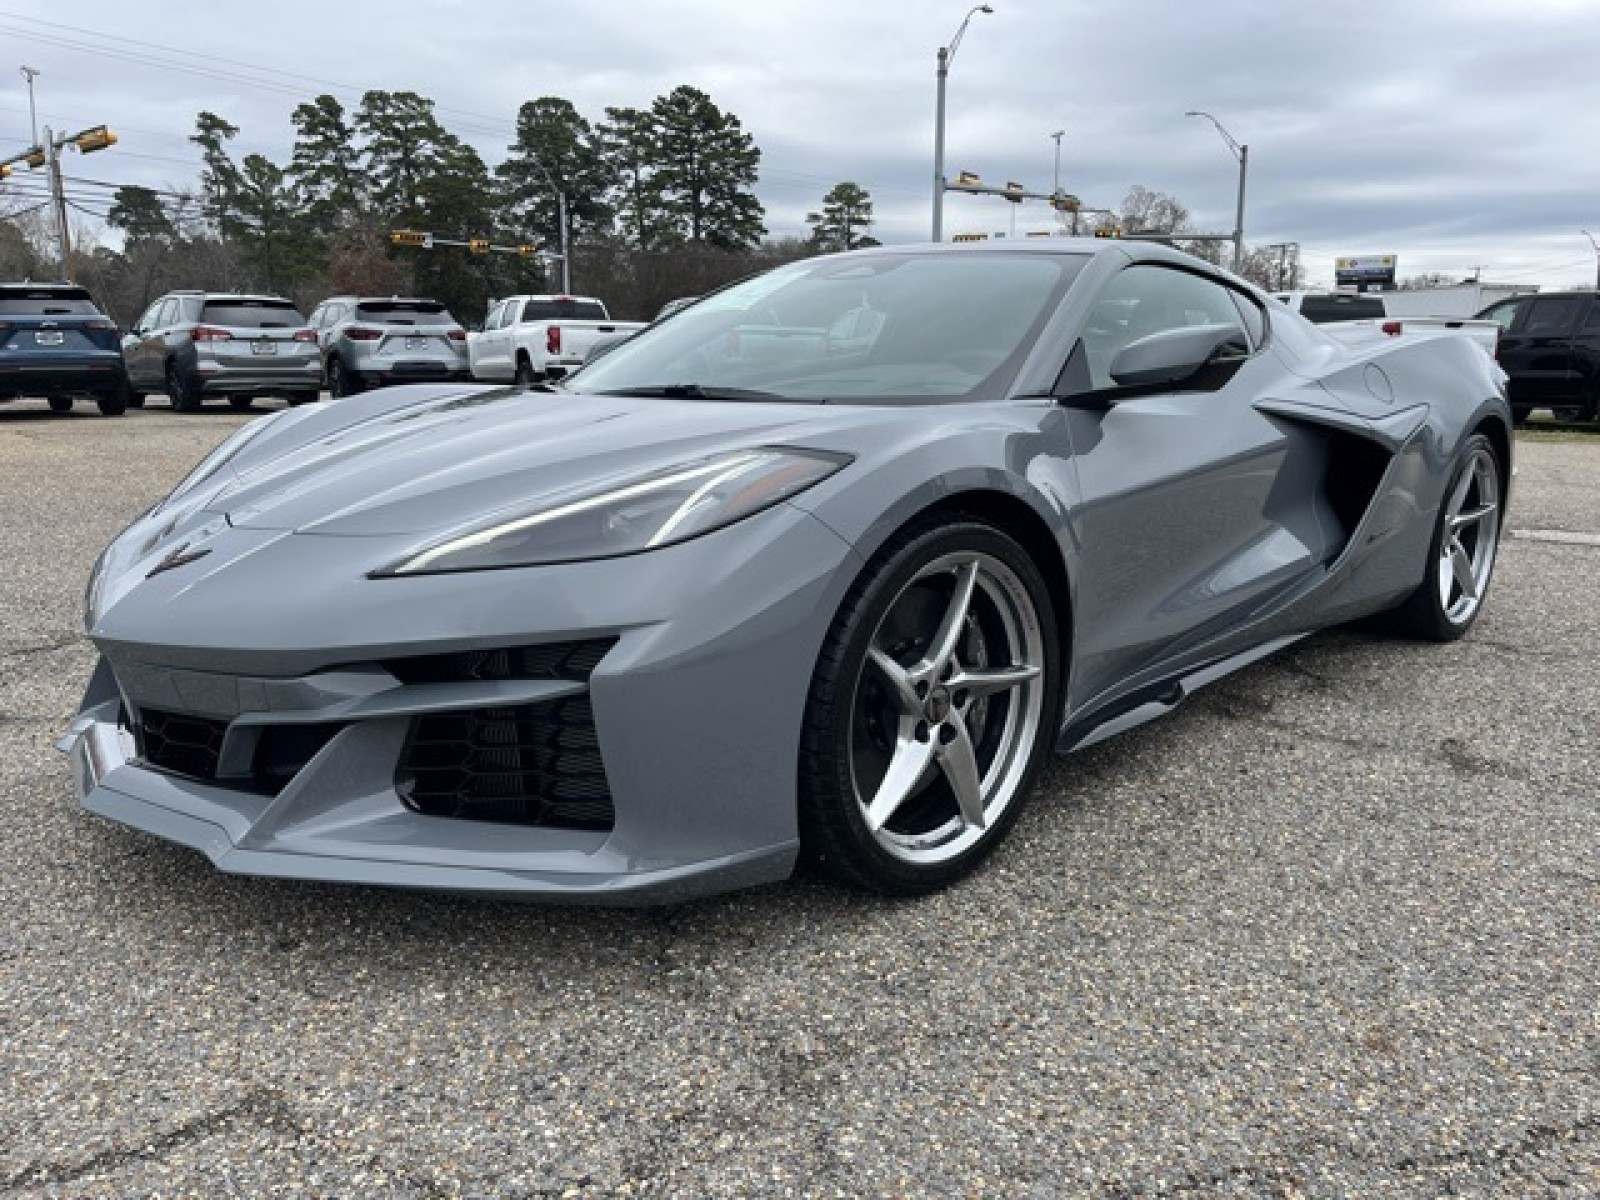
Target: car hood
[420,464]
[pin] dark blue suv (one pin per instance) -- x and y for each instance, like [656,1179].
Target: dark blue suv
[56,343]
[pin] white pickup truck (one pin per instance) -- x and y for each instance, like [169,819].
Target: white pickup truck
[526,338]
[1362,316]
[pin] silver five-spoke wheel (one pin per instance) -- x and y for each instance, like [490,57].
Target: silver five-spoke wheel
[931,708]
[1471,536]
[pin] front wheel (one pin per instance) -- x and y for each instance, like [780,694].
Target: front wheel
[1461,556]
[341,381]
[931,707]
[183,392]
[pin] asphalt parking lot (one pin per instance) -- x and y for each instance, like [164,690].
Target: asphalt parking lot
[1333,930]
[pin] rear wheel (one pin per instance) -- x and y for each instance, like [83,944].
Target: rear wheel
[1461,556]
[932,704]
[183,392]
[60,404]
[115,402]
[526,376]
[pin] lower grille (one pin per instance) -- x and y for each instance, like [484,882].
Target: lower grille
[179,743]
[191,746]
[531,764]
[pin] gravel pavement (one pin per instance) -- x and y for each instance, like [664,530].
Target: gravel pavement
[1331,931]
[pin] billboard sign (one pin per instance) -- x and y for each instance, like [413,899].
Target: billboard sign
[1365,270]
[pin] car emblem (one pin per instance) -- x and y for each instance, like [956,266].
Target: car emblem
[177,558]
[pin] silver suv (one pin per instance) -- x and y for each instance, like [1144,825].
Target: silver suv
[192,345]
[368,341]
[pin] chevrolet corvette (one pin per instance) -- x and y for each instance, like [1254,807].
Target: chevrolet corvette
[822,568]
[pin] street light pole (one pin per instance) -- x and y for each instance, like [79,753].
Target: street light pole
[945,57]
[1242,153]
[33,117]
[1595,246]
[561,218]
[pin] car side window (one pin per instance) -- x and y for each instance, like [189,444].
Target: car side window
[1552,316]
[1504,313]
[165,315]
[1146,299]
[147,319]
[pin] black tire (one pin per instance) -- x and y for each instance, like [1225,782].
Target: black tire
[526,376]
[341,382]
[1464,545]
[942,665]
[296,399]
[240,403]
[115,402]
[59,404]
[182,392]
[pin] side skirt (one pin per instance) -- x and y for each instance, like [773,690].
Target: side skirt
[1159,699]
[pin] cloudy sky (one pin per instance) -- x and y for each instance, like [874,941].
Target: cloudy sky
[1457,134]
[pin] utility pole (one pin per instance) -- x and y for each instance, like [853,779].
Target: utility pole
[58,196]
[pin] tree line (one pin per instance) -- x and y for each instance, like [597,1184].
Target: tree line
[659,203]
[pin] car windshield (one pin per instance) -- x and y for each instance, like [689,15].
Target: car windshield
[20,302]
[403,312]
[252,314]
[883,327]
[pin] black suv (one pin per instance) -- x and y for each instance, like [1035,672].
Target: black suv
[1550,347]
[56,343]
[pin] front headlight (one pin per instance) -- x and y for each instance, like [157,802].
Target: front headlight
[655,510]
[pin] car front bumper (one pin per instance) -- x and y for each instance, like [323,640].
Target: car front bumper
[696,711]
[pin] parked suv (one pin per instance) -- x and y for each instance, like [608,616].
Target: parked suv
[1550,348]
[55,343]
[193,345]
[368,341]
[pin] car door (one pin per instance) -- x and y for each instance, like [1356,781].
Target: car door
[480,343]
[1536,349]
[1189,511]
[497,357]
[142,349]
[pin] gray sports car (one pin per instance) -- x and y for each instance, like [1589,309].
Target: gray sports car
[822,567]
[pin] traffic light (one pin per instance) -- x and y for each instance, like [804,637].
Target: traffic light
[94,139]
[527,251]
[1110,231]
[4,170]
[967,179]
[1014,192]
[35,158]
[410,237]
[478,245]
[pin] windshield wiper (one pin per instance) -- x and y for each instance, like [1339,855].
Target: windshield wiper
[692,391]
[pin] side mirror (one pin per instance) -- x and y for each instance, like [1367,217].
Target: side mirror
[1174,355]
